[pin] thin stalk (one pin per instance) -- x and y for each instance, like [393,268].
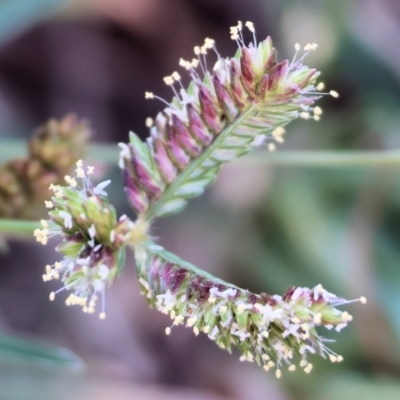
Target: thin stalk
[18,226]
[331,159]
[109,153]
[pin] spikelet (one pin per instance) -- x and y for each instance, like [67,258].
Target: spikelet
[273,331]
[93,239]
[223,115]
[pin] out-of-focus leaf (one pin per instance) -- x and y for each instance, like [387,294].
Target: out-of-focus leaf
[25,351]
[388,276]
[16,15]
[353,387]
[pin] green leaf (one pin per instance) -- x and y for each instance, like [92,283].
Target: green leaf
[26,351]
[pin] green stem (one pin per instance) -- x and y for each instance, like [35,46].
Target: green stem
[331,159]
[109,153]
[105,152]
[18,226]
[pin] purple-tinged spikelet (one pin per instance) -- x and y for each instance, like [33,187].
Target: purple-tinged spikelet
[220,116]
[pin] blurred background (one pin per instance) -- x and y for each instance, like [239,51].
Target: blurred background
[261,227]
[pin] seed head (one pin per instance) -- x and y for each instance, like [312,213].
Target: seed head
[269,330]
[93,239]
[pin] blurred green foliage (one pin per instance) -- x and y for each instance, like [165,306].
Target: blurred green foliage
[16,15]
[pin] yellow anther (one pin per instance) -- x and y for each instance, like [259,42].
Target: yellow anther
[333,93]
[250,26]
[278,373]
[321,86]
[168,80]
[310,46]
[197,50]
[308,369]
[102,315]
[317,110]
[363,300]
[209,43]
[346,316]
[297,46]
[48,204]
[271,147]
[292,367]
[176,76]
[279,131]
[149,95]
[149,122]
[317,318]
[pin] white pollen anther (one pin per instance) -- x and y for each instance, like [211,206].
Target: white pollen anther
[149,122]
[168,80]
[317,110]
[250,26]
[176,76]
[363,300]
[333,93]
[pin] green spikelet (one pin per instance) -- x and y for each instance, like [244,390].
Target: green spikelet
[273,331]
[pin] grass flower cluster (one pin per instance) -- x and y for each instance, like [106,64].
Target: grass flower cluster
[273,331]
[243,102]
[93,239]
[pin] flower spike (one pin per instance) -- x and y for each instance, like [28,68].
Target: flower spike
[243,102]
[221,116]
[93,240]
[273,331]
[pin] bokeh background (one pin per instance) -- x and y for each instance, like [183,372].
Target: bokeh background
[262,227]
